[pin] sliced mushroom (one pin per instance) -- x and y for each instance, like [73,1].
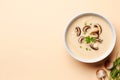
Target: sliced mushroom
[95,34]
[85,28]
[99,28]
[80,40]
[78,31]
[101,74]
[94,46]
[99,40]
[108,64]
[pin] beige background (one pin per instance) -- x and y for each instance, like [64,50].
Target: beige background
[31,38]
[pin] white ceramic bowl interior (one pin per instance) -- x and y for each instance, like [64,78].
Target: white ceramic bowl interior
[96,59]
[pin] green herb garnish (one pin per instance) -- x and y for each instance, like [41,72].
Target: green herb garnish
[89,39]
[84,33]
[115,71]
[85,23]
[86,49]
[117,62]
[89,49]
[92,39]
[80,46]
[90,23]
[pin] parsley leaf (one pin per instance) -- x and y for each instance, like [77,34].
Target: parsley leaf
[89,39]
[92,39]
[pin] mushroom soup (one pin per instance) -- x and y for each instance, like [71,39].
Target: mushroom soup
[89,36]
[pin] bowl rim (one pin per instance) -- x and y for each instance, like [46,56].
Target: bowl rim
[107,53]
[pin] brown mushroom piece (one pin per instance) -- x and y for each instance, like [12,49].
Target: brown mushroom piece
[95,34]
[94,46]
[101,74]
[109,64]
[99,40]
[80,40]
[98,26]
[78,31]
[85,28]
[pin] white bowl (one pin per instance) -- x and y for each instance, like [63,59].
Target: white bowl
[96,59]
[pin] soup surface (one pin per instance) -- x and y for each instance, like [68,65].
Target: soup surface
[89,36]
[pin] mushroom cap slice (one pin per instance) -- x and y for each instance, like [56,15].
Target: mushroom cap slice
[109,64]
[101,73]
[78,31]
[99,40]
[98,26]
[85,28]
[81,39]
[95,34]
[94,46]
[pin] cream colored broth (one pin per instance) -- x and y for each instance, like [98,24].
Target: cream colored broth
[74,45]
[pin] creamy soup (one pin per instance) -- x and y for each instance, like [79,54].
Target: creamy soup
[89,36]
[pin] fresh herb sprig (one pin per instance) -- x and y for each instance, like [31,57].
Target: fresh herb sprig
[115,72]
[89,39]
